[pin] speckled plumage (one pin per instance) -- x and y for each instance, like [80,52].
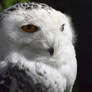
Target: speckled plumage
[44,59]
[26,6]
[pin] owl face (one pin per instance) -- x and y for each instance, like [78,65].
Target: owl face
[39,28]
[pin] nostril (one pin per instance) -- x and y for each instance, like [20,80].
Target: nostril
[51,51]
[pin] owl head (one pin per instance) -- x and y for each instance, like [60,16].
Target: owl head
[35,27]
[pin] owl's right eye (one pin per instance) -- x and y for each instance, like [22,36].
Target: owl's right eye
[29,28]
[62,29]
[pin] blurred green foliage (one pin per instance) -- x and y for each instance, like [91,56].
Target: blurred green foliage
[7,3]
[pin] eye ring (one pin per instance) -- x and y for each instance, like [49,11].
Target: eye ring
[29,28]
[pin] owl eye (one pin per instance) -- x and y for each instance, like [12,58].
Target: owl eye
[62,29]
[29,28]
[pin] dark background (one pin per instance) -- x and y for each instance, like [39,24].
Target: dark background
[81,12]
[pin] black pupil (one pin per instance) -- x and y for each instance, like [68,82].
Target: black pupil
[28,27]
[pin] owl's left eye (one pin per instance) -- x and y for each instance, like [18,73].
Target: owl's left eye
[29,28]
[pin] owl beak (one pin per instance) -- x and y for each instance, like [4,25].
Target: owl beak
[51,51]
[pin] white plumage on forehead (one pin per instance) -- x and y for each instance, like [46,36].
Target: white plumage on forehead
[51,45]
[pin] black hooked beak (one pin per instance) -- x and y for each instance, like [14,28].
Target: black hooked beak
[51,51]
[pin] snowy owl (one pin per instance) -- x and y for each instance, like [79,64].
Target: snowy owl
[37,49]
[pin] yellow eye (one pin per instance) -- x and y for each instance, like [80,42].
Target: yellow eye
[29,28]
